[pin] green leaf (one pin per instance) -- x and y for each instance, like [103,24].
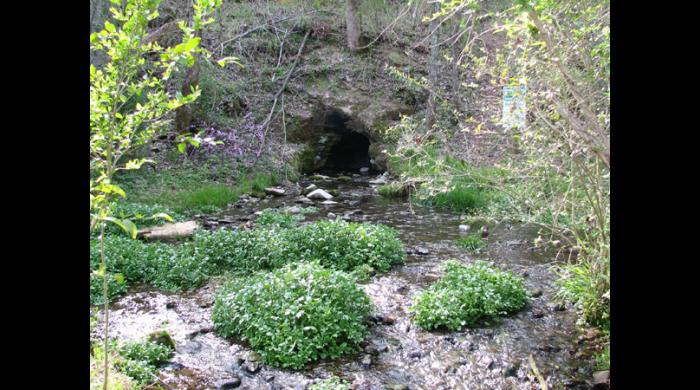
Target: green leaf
[126,225]
[222,62]
[161,216]
[181,147]
[136,164]
[186,46]
[110,27]
[101,270]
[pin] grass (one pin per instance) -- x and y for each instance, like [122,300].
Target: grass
[603,359]
[191,188]
[117,379]
[460,199]
[584,284]
[447,182]
[208,199]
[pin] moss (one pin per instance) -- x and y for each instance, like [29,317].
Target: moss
[305,161]
[393,190]
[334,192]
[162,337]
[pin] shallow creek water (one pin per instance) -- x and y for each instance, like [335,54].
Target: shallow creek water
[492,356]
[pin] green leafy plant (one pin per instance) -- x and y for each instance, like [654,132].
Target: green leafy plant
[603,359]
[336,244]
[119,380]
[393,190]
[145,215]
[117,125]
[346,245]
[330,383]
[363,272]
[472,242]
[294,315]
[466,294]
[584,284]
[175,267]
[277,218]
[116,286]
[164,266]
[140,359]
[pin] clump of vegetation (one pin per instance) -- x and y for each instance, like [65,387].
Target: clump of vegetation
[336,244]
[208,198]
[330,383]
[603,359]
[164,266]
[584,284]
[187,188]
[468,293]
[116,287]
[460,198]
[300,313]
[279,219]
[346,245]
[393,190]
[117,379]
[472,242]
[446,182]
[363,272]
[143,215]
[140,359]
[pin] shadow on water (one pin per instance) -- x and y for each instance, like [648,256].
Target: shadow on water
[491,356]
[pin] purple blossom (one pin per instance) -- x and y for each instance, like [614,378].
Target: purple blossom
[245,140]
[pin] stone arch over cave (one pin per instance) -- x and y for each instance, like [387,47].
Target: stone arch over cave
[342,143]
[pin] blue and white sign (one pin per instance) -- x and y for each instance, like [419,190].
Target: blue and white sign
[514,108]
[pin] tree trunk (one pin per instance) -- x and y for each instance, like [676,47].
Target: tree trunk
[183,115]
[433,68]
[353,25]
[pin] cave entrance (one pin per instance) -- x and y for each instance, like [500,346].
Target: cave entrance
[350,153]
[346,149]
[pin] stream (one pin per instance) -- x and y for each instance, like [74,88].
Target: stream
[397,354]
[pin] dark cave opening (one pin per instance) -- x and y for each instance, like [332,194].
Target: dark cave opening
[350,153]
[348,149]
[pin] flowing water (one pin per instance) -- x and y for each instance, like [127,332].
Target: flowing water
[397,354]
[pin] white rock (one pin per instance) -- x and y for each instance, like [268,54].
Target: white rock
[274,191]
[294,210]
[304,200]
[329,202]
[319,194]
[464,228]
[309,189]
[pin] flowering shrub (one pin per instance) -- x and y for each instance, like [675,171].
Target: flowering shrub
[244,140]
[294,315]
[466,294]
